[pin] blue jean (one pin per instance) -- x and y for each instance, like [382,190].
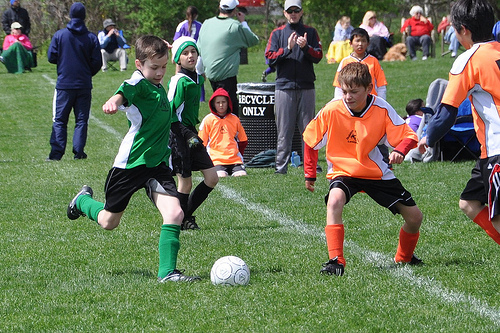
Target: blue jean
[413,41]
[451,37]
[66,100]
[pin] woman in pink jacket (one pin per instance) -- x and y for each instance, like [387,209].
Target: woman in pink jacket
[17,55]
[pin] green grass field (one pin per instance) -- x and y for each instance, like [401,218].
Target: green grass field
[58,275]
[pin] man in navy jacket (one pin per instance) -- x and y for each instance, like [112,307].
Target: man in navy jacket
[293,48]
[77,53]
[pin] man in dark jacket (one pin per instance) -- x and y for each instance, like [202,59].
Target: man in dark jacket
[293,48]
[16,14]
[77,53]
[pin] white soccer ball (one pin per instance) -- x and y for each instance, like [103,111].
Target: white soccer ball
[230,270]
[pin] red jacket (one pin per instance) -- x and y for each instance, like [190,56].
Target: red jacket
[418,27]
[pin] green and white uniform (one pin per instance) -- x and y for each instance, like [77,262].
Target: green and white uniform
[184,97]
[149,116]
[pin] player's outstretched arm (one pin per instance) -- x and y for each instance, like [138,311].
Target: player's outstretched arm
[112,104]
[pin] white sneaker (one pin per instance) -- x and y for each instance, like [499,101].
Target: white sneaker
[424,58]
[453,54]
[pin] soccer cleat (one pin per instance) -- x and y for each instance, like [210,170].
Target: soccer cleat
[333,267]
[189,223]
[424,58]
[73,212]
[178,276]
[414,261]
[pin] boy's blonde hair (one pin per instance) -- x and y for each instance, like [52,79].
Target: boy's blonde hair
[355,74]
[148,47]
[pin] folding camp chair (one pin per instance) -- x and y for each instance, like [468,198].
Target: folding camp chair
[461,143]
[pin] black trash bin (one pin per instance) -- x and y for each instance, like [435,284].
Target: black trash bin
[256,112]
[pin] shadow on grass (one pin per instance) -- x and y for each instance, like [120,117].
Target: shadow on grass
[140,272]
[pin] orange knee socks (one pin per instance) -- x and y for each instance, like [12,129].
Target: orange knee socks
[406,246]
[335,241]
[482,219]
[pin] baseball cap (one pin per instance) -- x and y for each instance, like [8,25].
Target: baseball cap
[293,3]
[16,25]
[107,23]
[180,44]
[228,4]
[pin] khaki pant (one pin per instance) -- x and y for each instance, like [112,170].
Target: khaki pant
[118,55]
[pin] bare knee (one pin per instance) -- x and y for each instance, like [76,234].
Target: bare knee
[210,177]
[464,205]
[108,220]
[175,217]
[413,218]
[470,207]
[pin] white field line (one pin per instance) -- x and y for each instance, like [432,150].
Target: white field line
[101,124]
[469,303]
[428,285]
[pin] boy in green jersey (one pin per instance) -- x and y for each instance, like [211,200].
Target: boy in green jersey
[142,160]
[188,153]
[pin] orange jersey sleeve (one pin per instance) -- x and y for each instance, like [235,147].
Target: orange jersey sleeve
[476,74]
[351,141]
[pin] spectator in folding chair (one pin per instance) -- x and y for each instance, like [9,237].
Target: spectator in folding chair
[113,46]
[418,29]
[475,74]
[460,143]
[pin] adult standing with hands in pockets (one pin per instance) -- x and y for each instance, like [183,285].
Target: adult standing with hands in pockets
[293,48]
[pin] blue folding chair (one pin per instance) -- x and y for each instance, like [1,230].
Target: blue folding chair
[461,143]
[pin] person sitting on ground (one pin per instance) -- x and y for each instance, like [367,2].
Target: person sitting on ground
[415,114]
[224,136]
[17,56]
[113,45]
[339,47]
[379,35]
[418,28]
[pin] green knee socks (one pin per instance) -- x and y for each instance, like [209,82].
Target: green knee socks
[168,248]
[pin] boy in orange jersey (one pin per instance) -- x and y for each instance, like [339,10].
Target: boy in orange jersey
[475,74]
[351,128]
[359,42]
[224,136]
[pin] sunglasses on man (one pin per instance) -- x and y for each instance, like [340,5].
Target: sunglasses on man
[296,11]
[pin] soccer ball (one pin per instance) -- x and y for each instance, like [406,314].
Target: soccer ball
[230,270]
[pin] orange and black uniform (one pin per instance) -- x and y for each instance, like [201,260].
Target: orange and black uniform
[351,140]
[355,163]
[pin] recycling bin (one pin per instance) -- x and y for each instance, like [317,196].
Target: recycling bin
[256,112]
